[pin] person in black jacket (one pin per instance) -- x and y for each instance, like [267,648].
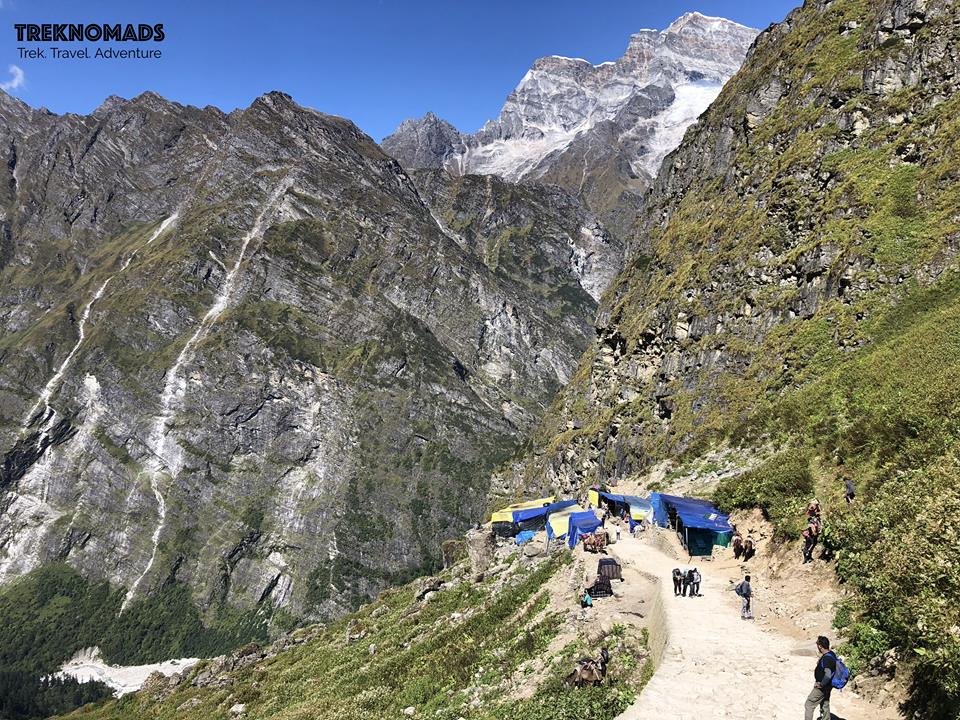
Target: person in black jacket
[677,582]
[822,682]
[695,583]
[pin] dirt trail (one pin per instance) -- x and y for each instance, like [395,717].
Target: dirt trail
[718,666]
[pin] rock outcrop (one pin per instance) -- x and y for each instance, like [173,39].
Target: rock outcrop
[803,204]
[243,352]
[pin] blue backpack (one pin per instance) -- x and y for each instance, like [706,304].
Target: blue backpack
[840,677]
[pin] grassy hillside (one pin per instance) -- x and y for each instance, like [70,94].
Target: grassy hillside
[494,649]
[794,285]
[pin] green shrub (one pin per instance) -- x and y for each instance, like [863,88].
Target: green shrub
[901,551]
[780,487]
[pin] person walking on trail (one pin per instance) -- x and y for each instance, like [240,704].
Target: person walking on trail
[851,491]
[686,583]
[813,508]
[695,583]
[749,548]
[677,582]
[822,682]
[745,592]
[810,538]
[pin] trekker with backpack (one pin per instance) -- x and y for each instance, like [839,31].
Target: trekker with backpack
[745,592]
[829,673]
[677,581]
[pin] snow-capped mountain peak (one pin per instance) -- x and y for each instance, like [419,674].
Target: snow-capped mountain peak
[569,120]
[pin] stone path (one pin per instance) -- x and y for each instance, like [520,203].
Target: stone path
[716,665]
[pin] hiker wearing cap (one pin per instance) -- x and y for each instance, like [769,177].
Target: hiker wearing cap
[823,681]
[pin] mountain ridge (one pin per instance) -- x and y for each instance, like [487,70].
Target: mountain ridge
[600,131]
[238,326]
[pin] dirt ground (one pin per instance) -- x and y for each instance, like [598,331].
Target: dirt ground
[717,665]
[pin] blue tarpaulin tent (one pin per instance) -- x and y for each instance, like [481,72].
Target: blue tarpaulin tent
[699,524]
[581,523]
[541,512]
[524,536]
[526,516]
[636,507]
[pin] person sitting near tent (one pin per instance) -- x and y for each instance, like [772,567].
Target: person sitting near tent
[749,548]
[677,581]
[585,600]
[695,583]
[737,543]
[745,591]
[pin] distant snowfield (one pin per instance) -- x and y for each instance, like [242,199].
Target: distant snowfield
[690,101]
[87,665]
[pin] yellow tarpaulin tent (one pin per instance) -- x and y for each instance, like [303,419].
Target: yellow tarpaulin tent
[593,497]
[558,521]
[506,514]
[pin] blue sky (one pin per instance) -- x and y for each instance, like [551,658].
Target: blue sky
[373,61]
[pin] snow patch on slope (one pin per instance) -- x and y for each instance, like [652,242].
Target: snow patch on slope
[87,665]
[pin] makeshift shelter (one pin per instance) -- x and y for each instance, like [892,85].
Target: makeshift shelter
[558,521]
[699,524]
[636,508]
[506,521]
[536,518]
[581,523]
[609,568]
[601,587]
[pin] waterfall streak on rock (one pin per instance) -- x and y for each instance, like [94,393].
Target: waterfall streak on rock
[165,455]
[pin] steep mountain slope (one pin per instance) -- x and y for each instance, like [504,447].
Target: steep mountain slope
[794,282]
[444,647]
[600,131]
[240,356]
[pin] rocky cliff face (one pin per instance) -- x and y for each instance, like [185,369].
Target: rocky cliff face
[240,351]
[807,201]
[794,282]
[600,131]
